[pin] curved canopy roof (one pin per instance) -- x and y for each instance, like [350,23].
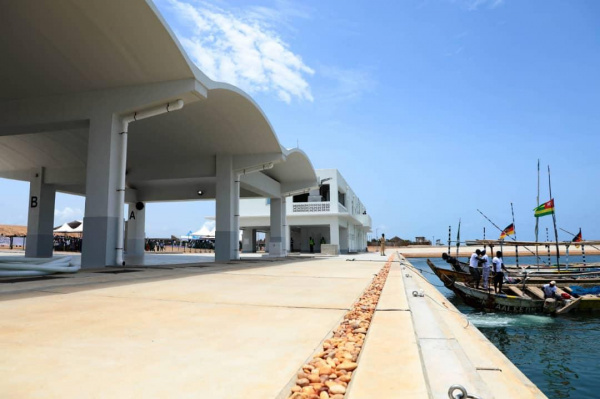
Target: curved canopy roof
[67,46]
[65,60]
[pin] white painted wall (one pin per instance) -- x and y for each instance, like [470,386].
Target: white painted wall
[350,223]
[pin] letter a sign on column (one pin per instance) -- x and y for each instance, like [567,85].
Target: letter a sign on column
[132,215]
[34,202]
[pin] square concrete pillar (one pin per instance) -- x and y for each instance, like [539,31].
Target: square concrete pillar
[334,233]
[227,230]
[248,240]
[101,203]
[40,221]
[277,243]
[136,230]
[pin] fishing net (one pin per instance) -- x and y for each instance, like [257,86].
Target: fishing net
[579,290]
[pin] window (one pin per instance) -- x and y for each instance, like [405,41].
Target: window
[324,192]
[342,198]
[301,198]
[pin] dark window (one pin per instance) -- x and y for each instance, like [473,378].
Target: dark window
[301,198]
[324,192]
[342,198]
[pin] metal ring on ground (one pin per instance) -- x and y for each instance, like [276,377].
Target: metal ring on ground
[462,394]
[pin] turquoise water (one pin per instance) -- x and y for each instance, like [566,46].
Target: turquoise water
[559,354]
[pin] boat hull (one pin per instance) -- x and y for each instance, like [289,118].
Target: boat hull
[491,302]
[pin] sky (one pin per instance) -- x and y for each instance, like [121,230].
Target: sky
[431,109]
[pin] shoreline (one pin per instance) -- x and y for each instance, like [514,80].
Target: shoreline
[436,251]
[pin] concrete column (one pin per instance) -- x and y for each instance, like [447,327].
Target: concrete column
[277,244]
[235,244]
[267,241]
[248,240]
[334,232]
[101,203]
[288,235]
[136,231]
[40,221]
[225,234]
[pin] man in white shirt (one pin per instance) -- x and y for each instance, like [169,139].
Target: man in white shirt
[486,269]
[550,290]
[473,267]
[498,266]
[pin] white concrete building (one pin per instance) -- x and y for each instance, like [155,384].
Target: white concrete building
[332,212]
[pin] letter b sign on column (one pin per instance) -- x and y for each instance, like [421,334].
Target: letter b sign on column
[34,202]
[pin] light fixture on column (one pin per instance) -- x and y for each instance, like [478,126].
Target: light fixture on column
[200,192]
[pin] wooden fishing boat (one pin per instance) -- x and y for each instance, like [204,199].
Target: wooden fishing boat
[529,299]
[447,276]
[501,302]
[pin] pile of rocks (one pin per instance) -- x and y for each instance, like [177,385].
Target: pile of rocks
[327,375]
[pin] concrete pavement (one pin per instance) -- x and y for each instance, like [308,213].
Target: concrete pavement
[237,330]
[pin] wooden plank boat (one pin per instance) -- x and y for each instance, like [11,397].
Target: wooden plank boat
[584,279]
[513,300]
[501,302]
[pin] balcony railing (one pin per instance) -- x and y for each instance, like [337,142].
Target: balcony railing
[301,207]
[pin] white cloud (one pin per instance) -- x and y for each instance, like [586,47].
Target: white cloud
[474,5]
[67,214]
[242,49]
[348,84]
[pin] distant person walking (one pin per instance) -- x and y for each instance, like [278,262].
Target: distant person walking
[498,266]
[474,267]
[311,244]
[382,245]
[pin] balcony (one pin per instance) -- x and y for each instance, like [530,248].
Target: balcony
[310,207]
[365,220]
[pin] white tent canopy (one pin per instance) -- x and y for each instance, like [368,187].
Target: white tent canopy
[75,226]
[65,228]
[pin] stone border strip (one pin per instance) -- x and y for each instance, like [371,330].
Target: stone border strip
[329,372]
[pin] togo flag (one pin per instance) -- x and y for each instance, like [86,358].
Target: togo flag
[545,209]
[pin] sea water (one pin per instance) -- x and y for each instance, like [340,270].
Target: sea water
[558,354]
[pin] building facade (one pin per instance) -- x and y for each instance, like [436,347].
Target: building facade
[331,214]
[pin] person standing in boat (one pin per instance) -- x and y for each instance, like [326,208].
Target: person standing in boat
[550,290]
[497,267]
[452,260]
[474,267]
[485,262]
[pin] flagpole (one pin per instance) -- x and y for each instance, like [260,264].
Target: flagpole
[515,230]
[500,230]
[554,221]
[537,258]
[582,248]
[548,247]
[458,238]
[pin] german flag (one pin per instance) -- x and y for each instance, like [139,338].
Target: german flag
[544,209]
[577,238]
[508,231]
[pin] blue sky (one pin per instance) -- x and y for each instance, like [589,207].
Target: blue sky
[430,109]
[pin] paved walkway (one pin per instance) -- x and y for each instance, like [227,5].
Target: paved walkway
[237,330]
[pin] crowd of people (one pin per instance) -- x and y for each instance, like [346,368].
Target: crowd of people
[67,243]
[479,259]
[160,245]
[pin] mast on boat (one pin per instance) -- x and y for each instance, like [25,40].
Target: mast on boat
[537,257]
[554,221]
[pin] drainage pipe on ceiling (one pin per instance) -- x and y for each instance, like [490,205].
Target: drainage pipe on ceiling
[125,121]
